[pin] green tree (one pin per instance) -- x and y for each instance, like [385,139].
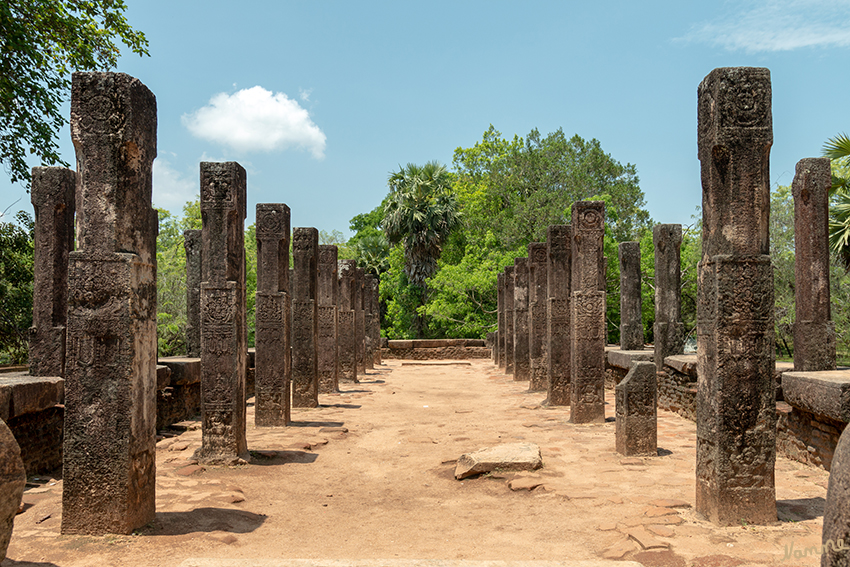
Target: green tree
[41,43]
[838,150]
[16,287]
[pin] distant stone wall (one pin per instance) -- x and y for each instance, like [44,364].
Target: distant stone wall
[806,437]
[436,349]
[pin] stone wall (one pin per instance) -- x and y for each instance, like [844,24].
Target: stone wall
[806,437]
[436,349]
[33,409]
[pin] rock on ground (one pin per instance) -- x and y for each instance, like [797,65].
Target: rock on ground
[13,477]
[509,457]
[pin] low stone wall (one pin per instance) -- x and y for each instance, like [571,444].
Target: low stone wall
[32,408]
[618,362]
[436,349]
[677,386]
[806,437]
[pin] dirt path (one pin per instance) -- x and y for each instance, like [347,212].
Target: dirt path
[369,474]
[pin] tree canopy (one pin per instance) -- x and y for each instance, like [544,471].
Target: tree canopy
[41,43]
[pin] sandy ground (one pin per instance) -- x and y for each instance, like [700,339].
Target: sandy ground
[370,475]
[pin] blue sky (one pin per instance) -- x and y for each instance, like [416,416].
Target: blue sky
[319,101]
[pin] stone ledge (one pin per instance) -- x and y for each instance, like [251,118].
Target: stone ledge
[684,363]
[21,393]
[184,370]
[825,393]
[624,358]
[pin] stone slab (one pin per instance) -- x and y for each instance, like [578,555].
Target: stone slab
[684,363]
[220,562]
[184,370]
[163,376]
[21,393]
[507,457]
[825,393]
[624,358]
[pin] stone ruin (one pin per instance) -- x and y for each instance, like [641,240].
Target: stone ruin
[305,372]
[736,407]
[273,358]
[631,325]
[327,310]
[669,331]
[347,333]
[559,343]
[522,361]
[500,315]
[375,321]
[110,367]
[13,478]
[224,332]
[636,430]
[368,312]
[360,319]
[509,319]
[537,308]
[193,245]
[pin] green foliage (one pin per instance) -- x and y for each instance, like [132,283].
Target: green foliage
[401,298]
[251,279]
[170,286]
[782,259]
[16,288]
[41,43]
[336,238]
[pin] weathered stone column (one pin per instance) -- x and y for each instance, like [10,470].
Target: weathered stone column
[538,300]
[587,398]
[13,478]
[522,362]
[736,406]
[376,321]
[224,325]
[509,320]
[669,330]
[192,244]
[305,364]
[360,319]
[637,414]
[836,516]
[814,332]
[109,455]
[368,312]
[327,313]
[559,346]
[345,318]
[500,320]
[273,360]
[52,195]
[631,324]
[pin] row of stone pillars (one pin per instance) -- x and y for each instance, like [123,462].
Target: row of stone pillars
[95,308]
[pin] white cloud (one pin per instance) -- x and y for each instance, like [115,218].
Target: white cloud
[777,25]
[256,119]
[304,94]
[171,189]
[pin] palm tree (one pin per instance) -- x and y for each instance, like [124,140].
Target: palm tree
[372,252]
[420,213]
[838,150]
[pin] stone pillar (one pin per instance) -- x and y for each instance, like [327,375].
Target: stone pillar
[327,313]
[637,414]
[500,320]
[368,312]
[522,362]
[109,453]
[814,332]
[537,308]
[273,359]
[224,325]
[376,321]
[509,320]
[559,344]
[13,478]
[669,330]
[360,319]
[192,244]
[736,406]
[631,324]
[587,403]
[52,195]
[345,317]
[836,516]
[305,364]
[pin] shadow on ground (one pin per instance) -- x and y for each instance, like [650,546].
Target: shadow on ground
[205,520]
[800,509]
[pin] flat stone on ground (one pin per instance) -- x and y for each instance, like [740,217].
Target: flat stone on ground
[509,457]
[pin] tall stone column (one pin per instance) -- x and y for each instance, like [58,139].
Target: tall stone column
[559,345]
[522,362]
[368,312]
[305,364]
[345,318]
[500,320]
[509,319]
[327,313]
[192,244]
[538,302]
[376,321]
[814,331]
[587,398]
[631,324]
[360,319]
[836,515]
[273,360]
[736,406]
[224,324]
[109,454]
[669,330]
[52,195]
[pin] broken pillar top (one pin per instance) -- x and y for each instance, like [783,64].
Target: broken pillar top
[588,229]
[223,209]
[113,127]
[735,134]
[272,247]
